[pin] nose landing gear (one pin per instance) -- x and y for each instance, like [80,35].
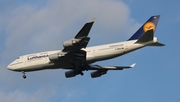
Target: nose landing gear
[24,74]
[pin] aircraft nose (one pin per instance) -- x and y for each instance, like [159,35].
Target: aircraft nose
[10,67]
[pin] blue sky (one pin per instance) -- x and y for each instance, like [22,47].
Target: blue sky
[34,26]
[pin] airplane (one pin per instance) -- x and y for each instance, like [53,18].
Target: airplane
[76,57]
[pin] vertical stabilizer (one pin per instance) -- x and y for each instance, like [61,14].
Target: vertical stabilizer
[150,24]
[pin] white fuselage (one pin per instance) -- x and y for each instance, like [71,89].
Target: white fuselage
[40,61]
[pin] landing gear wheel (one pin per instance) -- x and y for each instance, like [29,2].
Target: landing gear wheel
[24,76]
[82,73]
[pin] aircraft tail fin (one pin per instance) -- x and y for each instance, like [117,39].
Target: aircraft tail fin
[149,36]
[151,23]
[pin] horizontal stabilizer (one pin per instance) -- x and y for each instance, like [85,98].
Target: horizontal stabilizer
[148,36]
[157,44]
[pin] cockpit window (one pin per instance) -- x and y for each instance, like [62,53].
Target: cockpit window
[18,58]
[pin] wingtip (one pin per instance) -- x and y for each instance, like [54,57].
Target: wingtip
[92,20]
[133,65]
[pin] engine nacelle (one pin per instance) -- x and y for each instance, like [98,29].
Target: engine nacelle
[56,57]
[70,43]
[70,74]
[98,73]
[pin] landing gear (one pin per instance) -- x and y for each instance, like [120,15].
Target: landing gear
[79,66]
[81,73]
[24,74]
[73,63]
[84,66]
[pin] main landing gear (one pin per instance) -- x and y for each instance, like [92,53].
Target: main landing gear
[24,74]
[79,67]
[81,73]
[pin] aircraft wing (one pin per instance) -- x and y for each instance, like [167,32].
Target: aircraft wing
[86,29]
[97,67]
[101,70]
[73,48]
[80,40]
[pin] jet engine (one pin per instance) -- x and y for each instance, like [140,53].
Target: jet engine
[71,73]
[56,56]
[98,73]
[70,43]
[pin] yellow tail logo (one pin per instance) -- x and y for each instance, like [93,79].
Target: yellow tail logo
[149,26]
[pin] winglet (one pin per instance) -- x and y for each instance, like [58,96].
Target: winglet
[131,66]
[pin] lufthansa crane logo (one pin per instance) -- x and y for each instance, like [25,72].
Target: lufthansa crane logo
[149,26]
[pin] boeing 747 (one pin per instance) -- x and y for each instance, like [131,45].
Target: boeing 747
[76,57]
